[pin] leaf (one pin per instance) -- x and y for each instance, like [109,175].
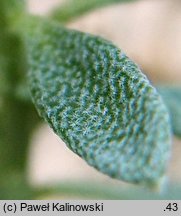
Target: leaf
[17,116]
[98,101]
[95,190]
[74,8]
[172,98]
[10,11]
[14,186]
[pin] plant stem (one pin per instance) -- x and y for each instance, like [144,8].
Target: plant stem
[17,117]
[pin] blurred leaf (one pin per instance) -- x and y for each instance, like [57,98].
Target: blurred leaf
[74,8]
[10,10]
[98,101]
[96,190]
[172,98]
[17,117]
[14,186]
[17,121]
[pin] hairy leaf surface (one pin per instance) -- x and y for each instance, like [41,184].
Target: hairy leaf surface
[99,102]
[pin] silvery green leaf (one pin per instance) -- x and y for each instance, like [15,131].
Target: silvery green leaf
[99,102]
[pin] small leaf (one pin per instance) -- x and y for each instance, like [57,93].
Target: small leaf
[98,101]
[172,98]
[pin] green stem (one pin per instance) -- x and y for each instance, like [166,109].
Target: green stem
[17,117]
